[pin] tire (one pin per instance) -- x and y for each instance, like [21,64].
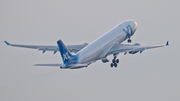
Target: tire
[113,61]
[115,65]
[117,61]
[112,64]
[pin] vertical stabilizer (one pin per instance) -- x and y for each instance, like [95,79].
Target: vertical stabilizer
[65,54]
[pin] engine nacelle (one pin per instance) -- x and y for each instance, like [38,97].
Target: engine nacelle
[134,52]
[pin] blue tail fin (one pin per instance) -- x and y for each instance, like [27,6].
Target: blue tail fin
[65,54]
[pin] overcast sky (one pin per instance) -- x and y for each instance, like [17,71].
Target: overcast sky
[153,75]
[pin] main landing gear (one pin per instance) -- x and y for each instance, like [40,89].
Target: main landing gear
[114,61]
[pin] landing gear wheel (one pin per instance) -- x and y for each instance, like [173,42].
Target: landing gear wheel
[115,64]
[113,61]
[112,64]
[129,40]
[117,61]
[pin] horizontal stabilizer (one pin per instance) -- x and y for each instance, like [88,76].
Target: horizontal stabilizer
[72,66]
[58,65]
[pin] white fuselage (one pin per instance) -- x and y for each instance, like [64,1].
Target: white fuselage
[98,49]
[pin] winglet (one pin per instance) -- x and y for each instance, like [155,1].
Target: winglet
[167,44]
[7,43]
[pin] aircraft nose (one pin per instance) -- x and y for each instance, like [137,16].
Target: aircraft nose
[133,23]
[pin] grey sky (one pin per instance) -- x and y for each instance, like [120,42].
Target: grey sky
[152,75]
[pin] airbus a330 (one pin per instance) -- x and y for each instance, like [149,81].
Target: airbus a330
[85,54]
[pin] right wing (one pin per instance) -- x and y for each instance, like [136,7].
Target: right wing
[132,49]
[71,48]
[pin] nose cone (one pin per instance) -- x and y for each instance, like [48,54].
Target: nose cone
[135,26]
[132,23]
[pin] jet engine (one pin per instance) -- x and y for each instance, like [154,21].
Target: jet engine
[136,51]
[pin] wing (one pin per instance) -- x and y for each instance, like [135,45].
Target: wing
[132,49]
[71,48]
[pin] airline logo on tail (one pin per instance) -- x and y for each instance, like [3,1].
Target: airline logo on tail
[66,56]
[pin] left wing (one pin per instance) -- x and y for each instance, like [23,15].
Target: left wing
[132,49]
[71,48]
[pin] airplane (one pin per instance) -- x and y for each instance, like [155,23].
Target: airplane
[84,54]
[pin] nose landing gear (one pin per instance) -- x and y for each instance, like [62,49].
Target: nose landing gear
[129,41]
[114,61]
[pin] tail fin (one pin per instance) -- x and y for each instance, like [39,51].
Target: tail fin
[65,54]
